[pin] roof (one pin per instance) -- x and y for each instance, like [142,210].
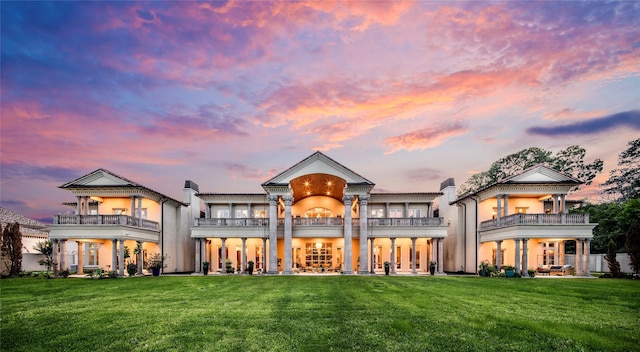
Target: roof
[28,226]
[537,174]
[105,179]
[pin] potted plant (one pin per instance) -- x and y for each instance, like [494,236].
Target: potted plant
[484,268]
[432,267]
[132,268]
[228,266]
[532,272]
[509,271]
[250,267]
[387,267]
[205,267]
[156,262]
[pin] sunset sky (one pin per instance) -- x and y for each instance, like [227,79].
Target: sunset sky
[228,94]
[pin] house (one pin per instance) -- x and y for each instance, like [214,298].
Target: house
[113,215]
[521,221]
[320,216]
[32,231]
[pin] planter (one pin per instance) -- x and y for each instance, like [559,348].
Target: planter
[205,268]
[155,271]
[510,273]
[432,269]
[387,267]
[132,269]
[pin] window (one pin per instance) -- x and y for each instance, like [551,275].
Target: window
[318,255]
[241,213]
[521,210]
[411,258]
[259,214]
[144,213]
[395,213]
[377,213]
[119,211]
[92,253]
[494,257]
[258,255]
[398,257]
[222,213]
[377,256]
[548,253]
[414,213]
[318,213]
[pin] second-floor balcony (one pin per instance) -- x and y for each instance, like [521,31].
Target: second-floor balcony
[105,220]
[534,219]
[322,221]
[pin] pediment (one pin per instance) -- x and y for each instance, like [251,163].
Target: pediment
[540,174]
[317,163]
[99,178]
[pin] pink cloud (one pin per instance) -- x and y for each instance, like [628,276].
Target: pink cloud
[425,138]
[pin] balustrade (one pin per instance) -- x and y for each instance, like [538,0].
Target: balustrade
[104,220]
[534,219]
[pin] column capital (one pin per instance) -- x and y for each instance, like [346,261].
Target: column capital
[288,199]
[347,199]
[363,199]
[273,199]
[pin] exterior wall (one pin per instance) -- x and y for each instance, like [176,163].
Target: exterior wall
[336,207]
[597,263]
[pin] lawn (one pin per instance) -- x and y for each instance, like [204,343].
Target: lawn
[306,313]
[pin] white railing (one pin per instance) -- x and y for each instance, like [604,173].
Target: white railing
[534,219]
[415,222]
[104,220]
[227,222]
[248,222]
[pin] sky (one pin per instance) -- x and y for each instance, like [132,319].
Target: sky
[229,94]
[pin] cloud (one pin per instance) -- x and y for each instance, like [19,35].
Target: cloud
[425,138]
[424,174]
[249,173]
[630,119]
[31,171]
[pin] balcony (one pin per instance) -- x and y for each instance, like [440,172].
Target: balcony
[535,219]
[299,222]
[106,220]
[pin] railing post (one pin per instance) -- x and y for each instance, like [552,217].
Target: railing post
[586,218]
[563,218]
[540,218]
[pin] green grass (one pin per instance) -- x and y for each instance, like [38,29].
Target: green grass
[304,313]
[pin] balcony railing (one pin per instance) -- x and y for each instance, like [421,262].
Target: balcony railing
[418,222]
[105,220]
[251,222]
[225,222]
[534,219]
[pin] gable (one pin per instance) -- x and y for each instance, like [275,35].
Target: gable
[540,174]
[318,163]
[99,178]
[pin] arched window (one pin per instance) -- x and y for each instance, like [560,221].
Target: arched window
[318,213]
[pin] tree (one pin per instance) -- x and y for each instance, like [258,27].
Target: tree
[607,216]
[624,182]
[46,248]
[633,246]
[610,257]
[569,161]
[11,248]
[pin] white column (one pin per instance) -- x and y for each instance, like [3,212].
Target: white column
[429,210]
[405,213]
[499,255]
[413,256]
[140,258]
[79,206]
[243,265]
[393,255]
[273,234]
[198,265]
[587,255]
[133,207]
[564,203]
[223,258]
[434,250]
[578,257]
[207,208]
[264,254]
[518,258]
[556,252]
[555,204]
[525,257]
[80,257]
[506,204]
[121,261]
[561,252]
[63,259]
[231,214]
[499,207]
[440,256]
[373,263]
[114,254]
[387,210]
[364,262]
[288,200]
[139,217]
[348,248]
